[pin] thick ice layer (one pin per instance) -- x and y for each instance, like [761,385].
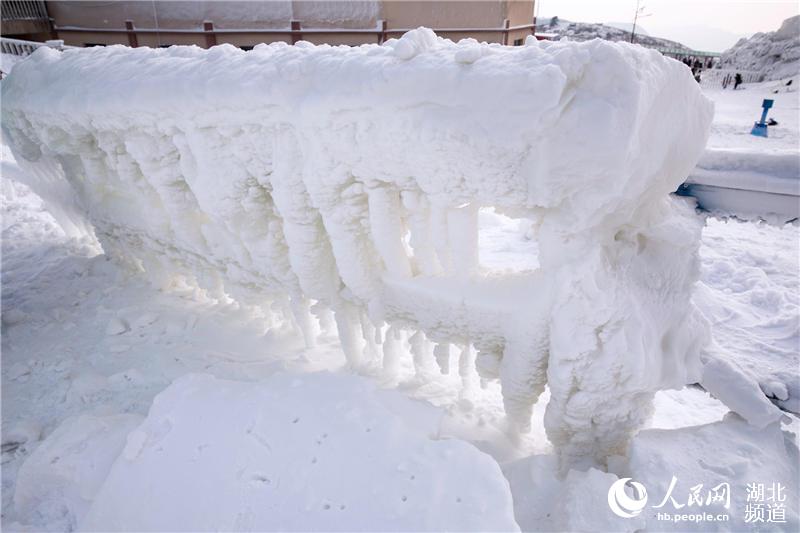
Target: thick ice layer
[347,181]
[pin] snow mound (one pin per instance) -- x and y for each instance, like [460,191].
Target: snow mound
[263,457]
[58,481]
[774,55]
[343,184]
[546,501]
[706,457]
[729,384]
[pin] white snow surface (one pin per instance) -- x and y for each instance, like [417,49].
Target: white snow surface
[7,62]
[358,459]
[729,451]
[282,178]
[737,163]
[58,482]
[736,111]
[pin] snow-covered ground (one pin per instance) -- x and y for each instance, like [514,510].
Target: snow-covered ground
[127,407]
[746,175]
[736,111]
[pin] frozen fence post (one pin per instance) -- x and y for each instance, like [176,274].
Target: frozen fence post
[296,31]
[506,25]
[352,178]
[381,31]
[211,37]
[133,40]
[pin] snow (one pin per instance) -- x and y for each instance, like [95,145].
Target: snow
[773,55]
[775,173]
[65,351]
[733,388]
[749,292]
[610,31]
[742,175]
[88,342]
[317,452]
[729,451]
[736,111]
[7,62]
[60,479]
[326,174]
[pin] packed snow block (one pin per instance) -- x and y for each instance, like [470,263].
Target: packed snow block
[728,467]
[59,480]
[347,181]
[323,452]
[733,387]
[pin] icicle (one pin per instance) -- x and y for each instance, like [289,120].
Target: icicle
[442,354]
[487,363]
[438,228]
[368,334]
[269,317]
[419,222]
[386,226]
[391,353]
[462,226]
[346,323]
[419,349]
[465,362]
[523,374]
[308,244]
[280,309]
[325,319]
[303,320]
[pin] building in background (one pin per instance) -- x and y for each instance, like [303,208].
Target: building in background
[25,20]
[247,23]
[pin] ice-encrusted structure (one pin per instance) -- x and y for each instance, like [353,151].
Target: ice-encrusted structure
[774,55]
[334,184]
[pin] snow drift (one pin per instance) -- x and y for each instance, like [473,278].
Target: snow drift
[345,461]
[335,184]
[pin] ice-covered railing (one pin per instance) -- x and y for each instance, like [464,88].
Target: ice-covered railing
[336,184]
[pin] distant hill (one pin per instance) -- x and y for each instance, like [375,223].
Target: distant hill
[627,26]
[586,31]
[775,55]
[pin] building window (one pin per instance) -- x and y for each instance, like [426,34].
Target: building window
[518,42]
[246,48]
[89,45]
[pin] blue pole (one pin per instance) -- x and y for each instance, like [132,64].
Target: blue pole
[760,128]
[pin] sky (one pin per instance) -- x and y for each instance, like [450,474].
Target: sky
[710,25]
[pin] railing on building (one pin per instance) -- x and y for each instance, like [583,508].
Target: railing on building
[295,32]
[716,76]
[18,47]
[23,10]
[682,52]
